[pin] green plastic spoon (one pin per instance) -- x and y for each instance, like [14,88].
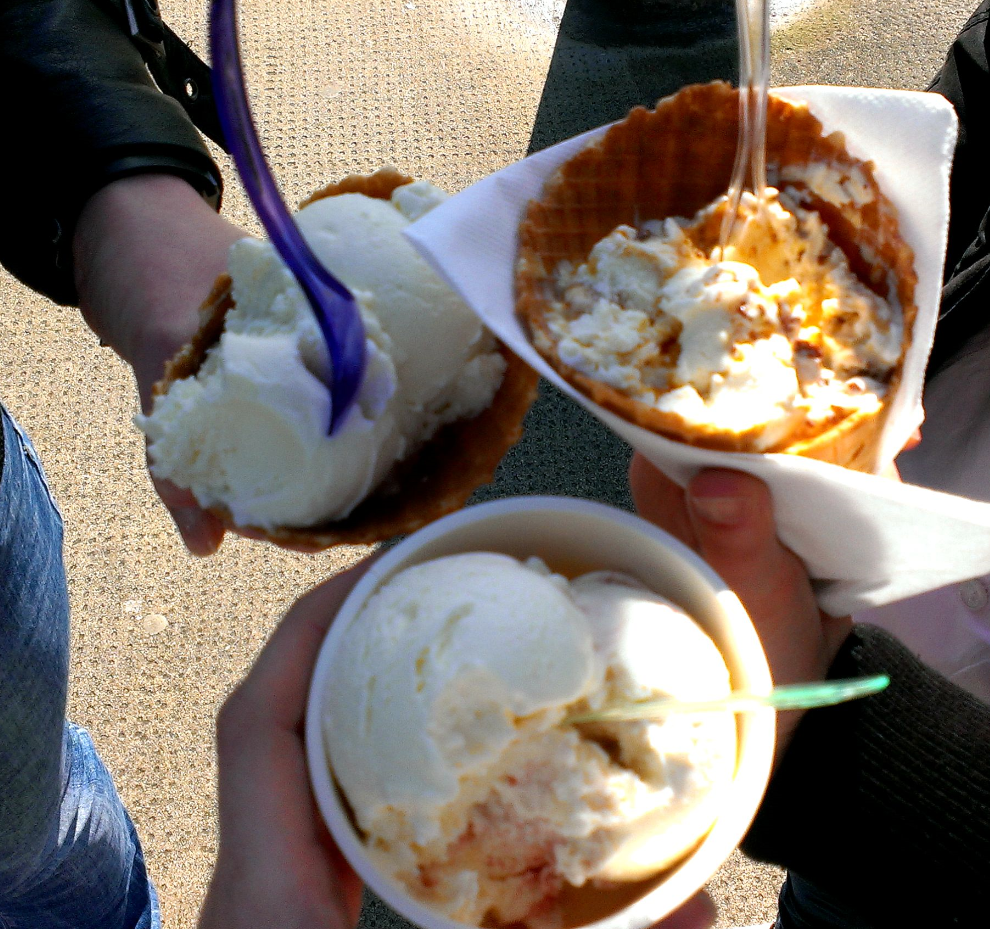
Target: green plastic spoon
[786,697]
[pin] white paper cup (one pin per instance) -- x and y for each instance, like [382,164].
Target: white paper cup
[574,537]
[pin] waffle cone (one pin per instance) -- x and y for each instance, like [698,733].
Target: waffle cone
[437,480]
[672,161]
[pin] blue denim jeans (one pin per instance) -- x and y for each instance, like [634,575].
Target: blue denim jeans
[69,855]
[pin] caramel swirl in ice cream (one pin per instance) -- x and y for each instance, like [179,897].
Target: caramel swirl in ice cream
[775,334]
[445,715]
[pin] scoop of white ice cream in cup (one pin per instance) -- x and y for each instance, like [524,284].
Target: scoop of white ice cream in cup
[440,716]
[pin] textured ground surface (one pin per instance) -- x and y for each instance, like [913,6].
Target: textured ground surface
[444,90]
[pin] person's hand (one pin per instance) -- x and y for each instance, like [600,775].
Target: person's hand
[697,913]
[146,251]
[277,865]
[727,517]
[891,471]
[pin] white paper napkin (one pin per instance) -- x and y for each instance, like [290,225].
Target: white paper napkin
[866,540]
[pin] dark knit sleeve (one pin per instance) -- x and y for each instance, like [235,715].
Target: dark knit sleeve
[80,110]
[884,803]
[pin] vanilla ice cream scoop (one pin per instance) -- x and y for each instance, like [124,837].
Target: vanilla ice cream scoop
[249,431]
[444,723]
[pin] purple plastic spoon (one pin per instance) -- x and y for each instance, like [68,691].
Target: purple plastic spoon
[332,303]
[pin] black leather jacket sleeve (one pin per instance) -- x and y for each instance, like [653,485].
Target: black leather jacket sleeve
[884,803]
[964,81]
[80,109]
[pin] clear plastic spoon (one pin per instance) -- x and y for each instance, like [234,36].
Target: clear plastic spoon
[786,697]
[753,20]
[334,306]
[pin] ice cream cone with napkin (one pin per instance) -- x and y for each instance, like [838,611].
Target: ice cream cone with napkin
[789,338]
[866,540]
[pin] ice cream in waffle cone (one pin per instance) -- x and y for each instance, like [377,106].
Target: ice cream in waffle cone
[676,161]
[426,480]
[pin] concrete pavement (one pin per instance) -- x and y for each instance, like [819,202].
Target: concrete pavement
[445,90]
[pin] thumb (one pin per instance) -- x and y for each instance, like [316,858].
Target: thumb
[732,517]
[731,514]
[698,913]
[202,532]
